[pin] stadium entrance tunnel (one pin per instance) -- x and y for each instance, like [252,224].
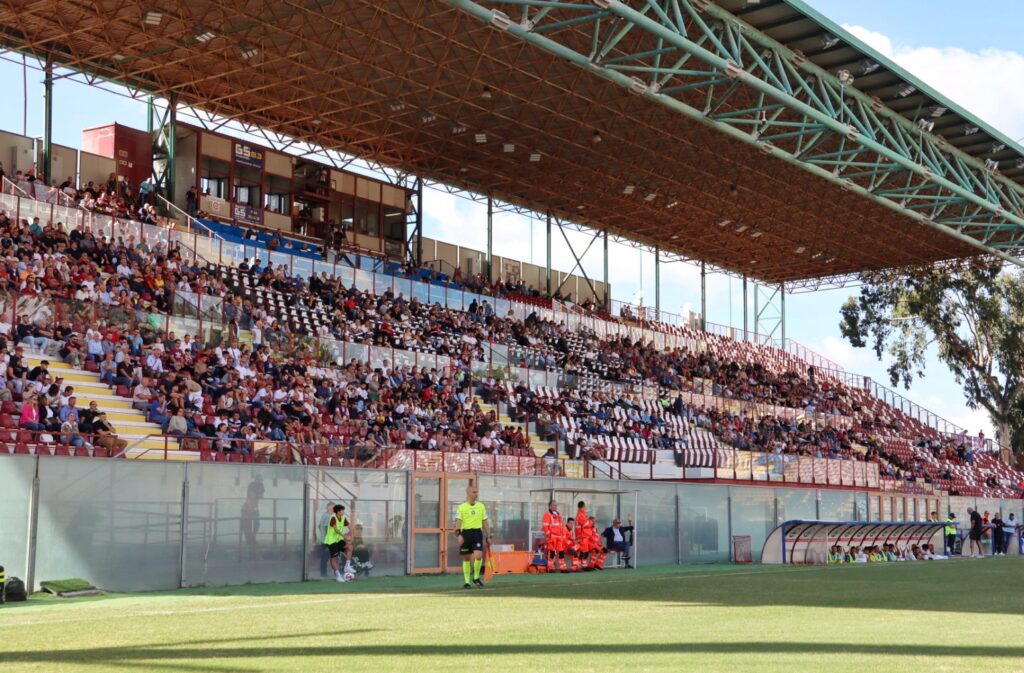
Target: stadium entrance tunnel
[808,542]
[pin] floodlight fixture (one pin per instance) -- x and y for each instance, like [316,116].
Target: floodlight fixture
[203,35]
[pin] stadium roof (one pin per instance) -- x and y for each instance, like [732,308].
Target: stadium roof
[618,115]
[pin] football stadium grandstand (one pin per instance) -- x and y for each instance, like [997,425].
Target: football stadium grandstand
[212,330]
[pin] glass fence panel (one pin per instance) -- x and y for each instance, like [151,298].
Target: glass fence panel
[516,507]
[426,360]
[796,504]
[115,522]
[375,502]
[703,523]
[404,358]
[16,475]
[358,352]
[245,524]
[436,294]
[656,539]
[752,513]
[382,283]
[302,267]
[457,301]
[421,293]
[403,288]
[363,280]
[836,505]
[380,357]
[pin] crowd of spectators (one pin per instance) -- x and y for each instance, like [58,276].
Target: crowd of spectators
[230,396]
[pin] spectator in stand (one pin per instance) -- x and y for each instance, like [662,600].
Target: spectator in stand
[106,435]
[29,418]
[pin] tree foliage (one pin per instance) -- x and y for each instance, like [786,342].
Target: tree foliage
[972,312]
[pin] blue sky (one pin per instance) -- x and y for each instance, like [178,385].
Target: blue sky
[967,53]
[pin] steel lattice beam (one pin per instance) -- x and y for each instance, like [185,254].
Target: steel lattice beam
[695,58]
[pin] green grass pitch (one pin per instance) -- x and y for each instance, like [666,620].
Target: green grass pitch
[923,616]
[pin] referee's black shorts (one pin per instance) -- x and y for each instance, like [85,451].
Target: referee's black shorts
[472,540]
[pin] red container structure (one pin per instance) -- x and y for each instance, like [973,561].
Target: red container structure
[131,150]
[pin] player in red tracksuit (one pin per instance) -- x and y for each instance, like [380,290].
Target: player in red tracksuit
[556,537]
[585,535]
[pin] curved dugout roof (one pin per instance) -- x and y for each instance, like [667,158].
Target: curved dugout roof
[809,541]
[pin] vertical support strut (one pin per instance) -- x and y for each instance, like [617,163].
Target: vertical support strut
[703,297]
[607,287]
[769,312]
[490,238]
[419,221]
[657,283]
[782,314]
[547,264]
[47,158]
[757,317]
[163,131]
[745,336]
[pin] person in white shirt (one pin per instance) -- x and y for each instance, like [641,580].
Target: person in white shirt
[1010,526]
[154,363]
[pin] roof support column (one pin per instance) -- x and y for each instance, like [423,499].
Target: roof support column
[757,318]
[419,221]
[657,283]
[163,129]
[782,314]
[745,335]
[607,287]
[547,269]
[490,238]
[47,157]
[703,297]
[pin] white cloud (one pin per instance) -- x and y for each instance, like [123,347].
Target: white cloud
[981,82]
[878,41]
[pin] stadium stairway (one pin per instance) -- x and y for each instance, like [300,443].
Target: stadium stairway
[573,468]
[144,439]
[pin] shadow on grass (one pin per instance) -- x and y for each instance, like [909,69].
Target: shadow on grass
[919,586]
[157,657]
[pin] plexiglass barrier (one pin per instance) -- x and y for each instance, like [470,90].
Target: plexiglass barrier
[142,525]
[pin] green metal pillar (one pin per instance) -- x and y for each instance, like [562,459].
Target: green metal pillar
[782,314]
[757,313]
[657,283]
[547,269]
[172,132]
[47,158]
[162,129]
[703,297]
[607,287]
[490,238]
[419,221]
[745,333]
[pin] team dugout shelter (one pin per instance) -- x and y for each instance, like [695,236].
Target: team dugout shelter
[808,542]
[603,506]
[759,139]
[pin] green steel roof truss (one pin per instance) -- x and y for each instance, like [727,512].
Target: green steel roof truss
[703,62]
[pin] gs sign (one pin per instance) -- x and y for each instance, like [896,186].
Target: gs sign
[248,156]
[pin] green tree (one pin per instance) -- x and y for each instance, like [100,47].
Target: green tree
[972,312]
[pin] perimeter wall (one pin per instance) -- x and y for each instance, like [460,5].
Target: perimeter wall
[148,525]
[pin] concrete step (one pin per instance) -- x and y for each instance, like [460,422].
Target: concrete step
[126,428]
[105,402]
[177,456]
[172,444]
